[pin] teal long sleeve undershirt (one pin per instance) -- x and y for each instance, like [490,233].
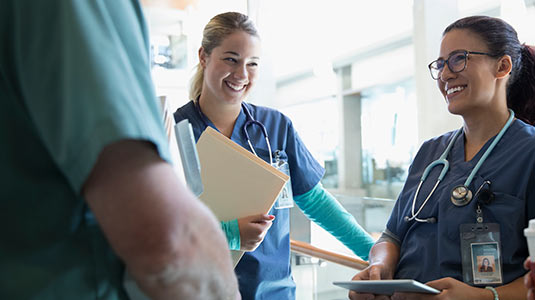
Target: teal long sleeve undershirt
[322,208]
[232,232]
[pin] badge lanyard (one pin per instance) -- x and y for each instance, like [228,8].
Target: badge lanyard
[481,247]
[285,198]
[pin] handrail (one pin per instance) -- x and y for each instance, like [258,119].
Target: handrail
[339,258]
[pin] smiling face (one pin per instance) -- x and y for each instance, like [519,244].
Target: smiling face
[231,69]
[475,88]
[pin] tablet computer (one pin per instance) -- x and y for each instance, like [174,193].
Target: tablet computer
[387,287]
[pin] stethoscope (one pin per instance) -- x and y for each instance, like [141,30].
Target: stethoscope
[461,194]
[249,122]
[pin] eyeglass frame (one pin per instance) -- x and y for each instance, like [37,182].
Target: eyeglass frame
[447,61]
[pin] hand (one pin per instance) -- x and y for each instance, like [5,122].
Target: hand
[528,279]
[450,288]
[372,272]
[253,229]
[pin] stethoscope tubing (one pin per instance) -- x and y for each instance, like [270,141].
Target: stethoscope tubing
[442,160]
[249,121]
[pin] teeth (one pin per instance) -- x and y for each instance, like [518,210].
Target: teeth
[235,87]
[454,89]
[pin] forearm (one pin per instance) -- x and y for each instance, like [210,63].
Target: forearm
[514,290]
[170,242]
[385,254]
[321,207]
[198,270]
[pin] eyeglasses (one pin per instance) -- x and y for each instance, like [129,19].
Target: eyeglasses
[456,62]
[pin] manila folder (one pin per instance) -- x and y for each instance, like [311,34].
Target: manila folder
[236,182]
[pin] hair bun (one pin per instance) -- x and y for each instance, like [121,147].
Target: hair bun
[529,48]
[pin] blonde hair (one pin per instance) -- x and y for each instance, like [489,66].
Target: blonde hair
[214,33]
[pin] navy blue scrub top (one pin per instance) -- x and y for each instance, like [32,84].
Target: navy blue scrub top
[265,273]
[432,251]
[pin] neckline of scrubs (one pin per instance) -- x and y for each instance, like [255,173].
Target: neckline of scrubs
[457,152]
[238,124]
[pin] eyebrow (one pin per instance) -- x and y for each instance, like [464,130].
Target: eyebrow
[458,50]
[238,55]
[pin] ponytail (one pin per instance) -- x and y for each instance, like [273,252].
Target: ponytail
[521,89]
[196,83]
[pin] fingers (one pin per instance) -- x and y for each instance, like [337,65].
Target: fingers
[359,296]
[260,218]
[527,281]
[401,296]
[440,284]
[366,274]
[375,273]
[253,229]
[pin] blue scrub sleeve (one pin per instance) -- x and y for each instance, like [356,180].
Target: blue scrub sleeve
[321,207]
[232,232]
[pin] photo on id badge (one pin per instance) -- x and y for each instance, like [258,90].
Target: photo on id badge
[485,263]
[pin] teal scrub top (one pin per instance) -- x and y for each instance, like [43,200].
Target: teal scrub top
[74,77]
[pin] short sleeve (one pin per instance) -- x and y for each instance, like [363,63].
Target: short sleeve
[83,75]
[305,171]
[392,223]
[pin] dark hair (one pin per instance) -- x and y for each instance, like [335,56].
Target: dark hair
[214,33]
[501,39]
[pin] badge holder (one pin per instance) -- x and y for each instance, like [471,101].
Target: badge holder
[481,252]
[285,198]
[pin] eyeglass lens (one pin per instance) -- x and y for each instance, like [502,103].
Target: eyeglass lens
[456,63]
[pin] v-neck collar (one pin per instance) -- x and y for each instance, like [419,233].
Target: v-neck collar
[240,121]
[456,156]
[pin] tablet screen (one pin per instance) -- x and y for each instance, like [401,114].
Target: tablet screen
[387,287]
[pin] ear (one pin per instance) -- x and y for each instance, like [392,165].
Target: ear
[203,57]
[505,65]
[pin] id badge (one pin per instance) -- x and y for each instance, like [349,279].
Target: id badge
[481,253]
[285,198]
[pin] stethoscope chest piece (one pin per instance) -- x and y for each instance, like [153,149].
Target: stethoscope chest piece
[461,195]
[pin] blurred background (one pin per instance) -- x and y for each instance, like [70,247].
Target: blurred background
[353,77]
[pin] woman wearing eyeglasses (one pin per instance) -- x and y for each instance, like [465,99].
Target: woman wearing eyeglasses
[445,222]
[228,62]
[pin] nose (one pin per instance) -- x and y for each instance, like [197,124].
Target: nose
[445,74]
[240,72]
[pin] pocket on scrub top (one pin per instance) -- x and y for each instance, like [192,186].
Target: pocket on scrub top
[264,154]
[507,210]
